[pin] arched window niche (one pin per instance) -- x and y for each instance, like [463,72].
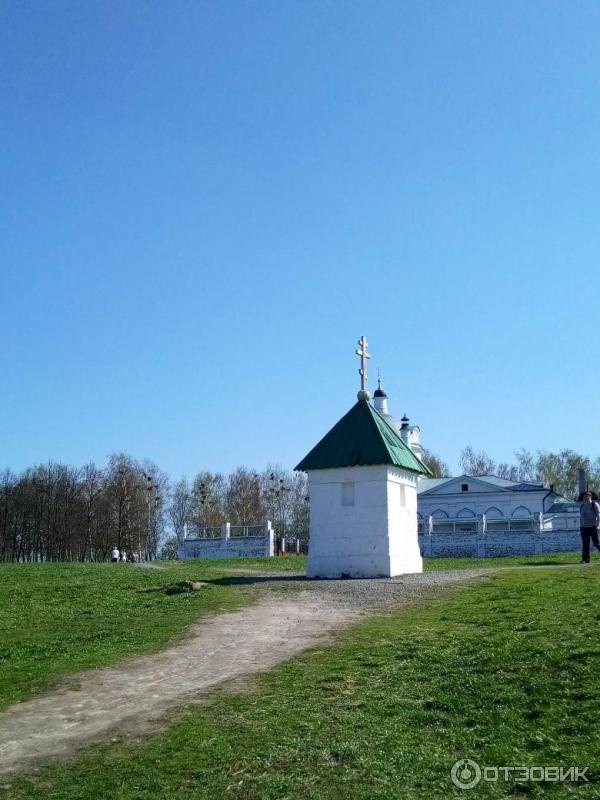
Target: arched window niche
[496,520]
[521,513]
[465,513]
[521,519]
[494,513]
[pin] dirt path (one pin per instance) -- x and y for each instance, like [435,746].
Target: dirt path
[128,697]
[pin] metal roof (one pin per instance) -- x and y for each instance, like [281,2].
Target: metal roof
[362,437]
[502,484]
[517,486]
[493,479]
[527,487]
[563,507]
[431,483]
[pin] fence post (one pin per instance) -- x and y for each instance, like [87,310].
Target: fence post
[427,537]
[270,538]
[538,541]
[428,544]
[481,532]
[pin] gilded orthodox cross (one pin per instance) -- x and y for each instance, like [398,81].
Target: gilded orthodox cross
[362,352]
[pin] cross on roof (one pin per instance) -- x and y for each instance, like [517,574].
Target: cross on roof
[362,352]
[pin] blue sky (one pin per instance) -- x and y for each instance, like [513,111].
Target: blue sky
[205,204]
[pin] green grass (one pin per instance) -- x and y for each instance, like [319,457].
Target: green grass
[463,562]
[505,670]
[60,618]
[57,618]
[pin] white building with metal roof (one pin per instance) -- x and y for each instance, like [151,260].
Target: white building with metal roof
[455,504]
[485,515]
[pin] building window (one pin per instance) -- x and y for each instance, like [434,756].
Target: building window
[464,487]
[347,494]
[402,495]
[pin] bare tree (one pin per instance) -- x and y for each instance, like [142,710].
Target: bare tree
[91,489]
[438,467]
[244,498]
[157,493]
[472,463]
[180,509]
[508,471]
[526,466]
[209,500]
[299,505]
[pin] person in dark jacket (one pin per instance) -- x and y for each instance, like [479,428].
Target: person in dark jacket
[590,520]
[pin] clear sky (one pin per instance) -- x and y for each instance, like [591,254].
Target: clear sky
[205,204]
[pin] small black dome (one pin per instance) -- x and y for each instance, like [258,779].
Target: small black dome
[379,391]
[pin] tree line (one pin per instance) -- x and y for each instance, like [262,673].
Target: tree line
[244,497]
[56,512]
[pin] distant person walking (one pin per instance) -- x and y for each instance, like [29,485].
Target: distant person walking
[115,554]
[589,521]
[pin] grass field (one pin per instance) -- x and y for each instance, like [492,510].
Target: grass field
[57,618]
[505,671]
[572,557]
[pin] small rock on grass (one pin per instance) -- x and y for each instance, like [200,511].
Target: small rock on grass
[185,586]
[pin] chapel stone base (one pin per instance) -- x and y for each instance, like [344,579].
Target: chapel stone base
[363,566]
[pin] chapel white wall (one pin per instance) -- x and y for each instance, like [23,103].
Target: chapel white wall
[376,536]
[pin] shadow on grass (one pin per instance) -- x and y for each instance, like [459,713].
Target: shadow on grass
[246,580]
[548,563]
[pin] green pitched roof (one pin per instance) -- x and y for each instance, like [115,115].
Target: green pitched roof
[362,437]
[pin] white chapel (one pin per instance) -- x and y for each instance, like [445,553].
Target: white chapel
[374,504]
[362,479]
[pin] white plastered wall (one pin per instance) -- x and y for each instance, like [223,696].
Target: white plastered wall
[376,536]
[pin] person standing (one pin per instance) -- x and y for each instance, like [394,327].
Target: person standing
[589,522]
[115,554]
[123,556]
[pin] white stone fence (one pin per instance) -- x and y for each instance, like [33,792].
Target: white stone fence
[481,524]
[484,536]
[225,531]
[561,522]
[228,541]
